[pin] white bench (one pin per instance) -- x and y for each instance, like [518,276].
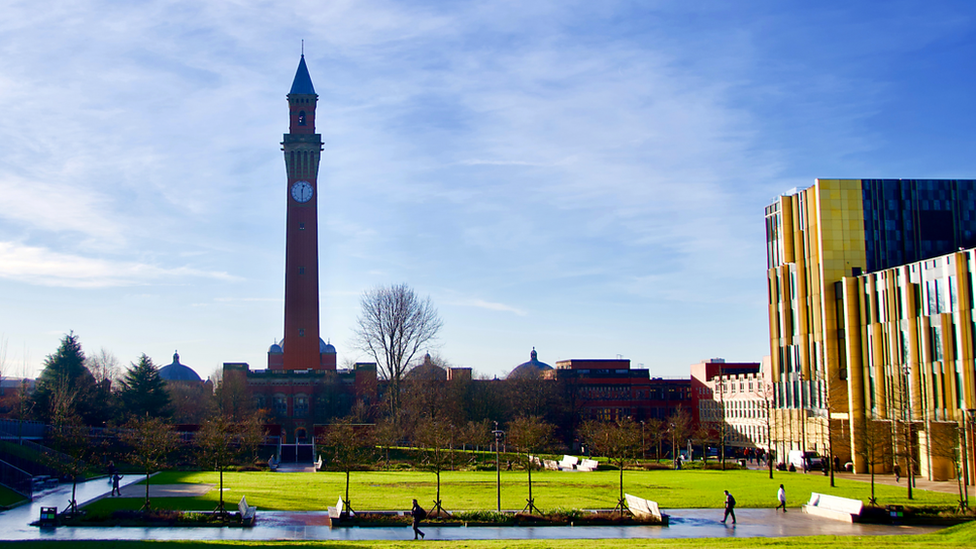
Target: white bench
[587,465]
[834,507]
[646,510]
[568,463]
[335,513]
[248,512]
[550,464]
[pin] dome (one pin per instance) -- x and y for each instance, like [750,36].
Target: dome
[326,348]
[178,372]
[427,371]
[530,369]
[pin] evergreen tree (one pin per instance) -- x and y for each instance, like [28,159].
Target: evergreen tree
[142,392]
[66,368]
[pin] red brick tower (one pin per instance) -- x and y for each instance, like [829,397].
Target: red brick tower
[303,148]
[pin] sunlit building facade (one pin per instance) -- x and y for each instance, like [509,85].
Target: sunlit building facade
[870,320]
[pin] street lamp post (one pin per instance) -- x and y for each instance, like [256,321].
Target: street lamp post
[908,429]
[643,444]
[968,443]
[803,420]
[674,454]
[499,434]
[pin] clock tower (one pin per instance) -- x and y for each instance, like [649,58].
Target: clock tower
[302,148]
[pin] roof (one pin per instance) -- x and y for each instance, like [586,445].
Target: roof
[428,371]
[178,372]
[303,82]
[530,369]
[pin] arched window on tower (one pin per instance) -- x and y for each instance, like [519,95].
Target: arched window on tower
[301,118]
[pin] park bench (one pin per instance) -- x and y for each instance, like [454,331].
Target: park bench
[248,512]
[551,464]
[834,507]
[646,510]
[568,463]
[335,513]
[587,465]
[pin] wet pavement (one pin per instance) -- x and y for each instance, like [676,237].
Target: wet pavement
[284,525]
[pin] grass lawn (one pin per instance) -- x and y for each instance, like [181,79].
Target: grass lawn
[8,497]
[958,537]
[377,490]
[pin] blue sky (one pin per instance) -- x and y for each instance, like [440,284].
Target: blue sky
[584,177]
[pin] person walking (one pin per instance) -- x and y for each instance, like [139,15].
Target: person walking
[729,507]
[897,469]
[115,485]
[781,496]
[418,515]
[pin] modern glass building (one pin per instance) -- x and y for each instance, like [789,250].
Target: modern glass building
[870,321]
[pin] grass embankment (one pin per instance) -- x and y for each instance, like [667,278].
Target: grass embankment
[958,537]
[8,497]
[377,490]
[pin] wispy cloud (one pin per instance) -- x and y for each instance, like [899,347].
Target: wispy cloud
[491,306]
[35,265]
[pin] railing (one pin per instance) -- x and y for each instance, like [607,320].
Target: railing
[12,428]
[16,479]
[52,455]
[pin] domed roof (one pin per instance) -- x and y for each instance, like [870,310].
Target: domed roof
[530,369]
[428,370]
[178,372]
[326,348]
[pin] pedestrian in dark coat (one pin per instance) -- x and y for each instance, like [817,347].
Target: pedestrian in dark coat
[115,484]
[729,507]
[419,514]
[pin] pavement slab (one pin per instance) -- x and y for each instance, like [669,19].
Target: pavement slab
[273,525]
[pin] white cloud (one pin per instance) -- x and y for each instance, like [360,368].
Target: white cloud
[491,306]
[39,266]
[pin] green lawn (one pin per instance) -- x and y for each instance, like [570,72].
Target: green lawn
[8,497]
[958,537]
[552,489]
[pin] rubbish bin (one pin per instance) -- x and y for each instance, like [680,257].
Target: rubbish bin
[49,516]
[896,513]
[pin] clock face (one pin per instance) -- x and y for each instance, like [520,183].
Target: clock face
[302,191]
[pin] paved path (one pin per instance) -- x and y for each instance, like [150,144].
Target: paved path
[685,523]
[946,487]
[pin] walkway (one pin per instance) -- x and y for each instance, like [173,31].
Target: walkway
[270,525]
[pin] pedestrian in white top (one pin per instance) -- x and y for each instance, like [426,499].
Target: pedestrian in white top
[781,496]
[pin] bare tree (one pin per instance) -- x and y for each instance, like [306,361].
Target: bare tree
[945,443]
[476,434]
[617,440]
[529,435]
[433,437]
[393,326]
[221,442]
[655,432]
[104,366]
[875,448]
[70,437]
[3,357]
[347,447]
[152,440]
[765,394]
[679,425]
